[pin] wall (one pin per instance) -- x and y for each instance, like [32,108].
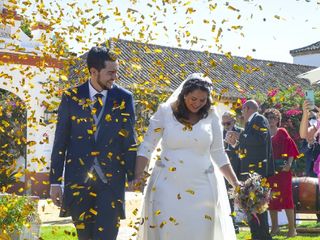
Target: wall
[311,60]
[27,83]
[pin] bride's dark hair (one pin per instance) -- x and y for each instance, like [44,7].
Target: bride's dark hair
[180,110]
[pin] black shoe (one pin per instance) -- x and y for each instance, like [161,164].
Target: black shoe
[237,229]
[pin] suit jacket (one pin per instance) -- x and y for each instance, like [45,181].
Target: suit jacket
[233,153]
[255,150]
[75,147]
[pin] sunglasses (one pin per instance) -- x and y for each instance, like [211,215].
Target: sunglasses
[226,123]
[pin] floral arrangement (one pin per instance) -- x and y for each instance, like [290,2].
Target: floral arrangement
[253,196]
[17,212]
[289,102]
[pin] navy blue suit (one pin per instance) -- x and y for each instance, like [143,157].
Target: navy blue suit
[75,149]
[256,156]
[256,148]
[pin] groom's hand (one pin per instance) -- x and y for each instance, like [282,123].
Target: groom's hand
[56,195]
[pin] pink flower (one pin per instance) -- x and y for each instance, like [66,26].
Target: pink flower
[273,92]
[293,112]
[278,106]
[243,100]
[300,92]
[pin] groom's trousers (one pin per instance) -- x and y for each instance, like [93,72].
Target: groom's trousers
[95,211]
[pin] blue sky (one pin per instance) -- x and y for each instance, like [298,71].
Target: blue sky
[263,29]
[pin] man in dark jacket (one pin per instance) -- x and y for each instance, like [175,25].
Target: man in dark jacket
[94,150]
[255,151]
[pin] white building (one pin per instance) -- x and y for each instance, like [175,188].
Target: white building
[308,55]
[23,71]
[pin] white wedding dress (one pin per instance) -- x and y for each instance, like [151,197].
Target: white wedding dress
[186,196]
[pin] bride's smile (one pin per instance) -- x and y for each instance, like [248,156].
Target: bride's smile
[195,100]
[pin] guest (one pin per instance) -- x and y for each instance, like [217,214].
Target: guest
[310,150]
[256,156]
[284,152]
[310,132]
[228,123]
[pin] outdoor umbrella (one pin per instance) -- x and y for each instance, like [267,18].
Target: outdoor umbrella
[313,75]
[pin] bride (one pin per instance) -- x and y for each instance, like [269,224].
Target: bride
[186,196]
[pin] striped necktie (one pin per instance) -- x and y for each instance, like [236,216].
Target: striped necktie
[98,103]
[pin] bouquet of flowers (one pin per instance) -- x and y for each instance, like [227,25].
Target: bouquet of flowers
[253,196]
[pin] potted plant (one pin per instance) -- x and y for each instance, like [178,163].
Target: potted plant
[18,216]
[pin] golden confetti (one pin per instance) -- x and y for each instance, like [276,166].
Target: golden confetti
[162,224]
[172,169]
[80,226]
[157,212]
[190,191]
[158,130]
[123,133]
[93,194]
[108,118]
[94,212]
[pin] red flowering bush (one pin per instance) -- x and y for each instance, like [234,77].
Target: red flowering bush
[289,102]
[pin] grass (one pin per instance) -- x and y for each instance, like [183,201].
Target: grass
[58,232]
[244,235]
[69,233]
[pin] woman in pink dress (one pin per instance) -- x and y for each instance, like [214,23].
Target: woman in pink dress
[284,152]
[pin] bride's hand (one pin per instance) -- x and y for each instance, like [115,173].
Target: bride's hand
[138,184]
[135,186]
[237,184]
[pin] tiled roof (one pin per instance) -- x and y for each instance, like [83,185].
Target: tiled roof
[312,48]
[141,62]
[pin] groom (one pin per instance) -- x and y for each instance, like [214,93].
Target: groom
[95,148]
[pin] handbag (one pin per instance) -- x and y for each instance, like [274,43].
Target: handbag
[279,164]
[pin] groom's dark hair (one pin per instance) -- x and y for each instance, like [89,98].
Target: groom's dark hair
[181,112]
[97,57]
